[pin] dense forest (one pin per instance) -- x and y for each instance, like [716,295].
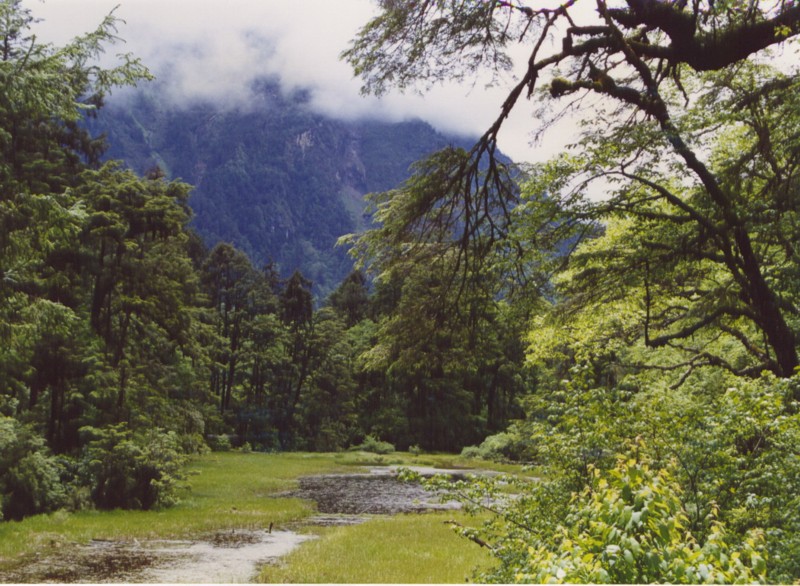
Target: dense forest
[623,318]
[127,343]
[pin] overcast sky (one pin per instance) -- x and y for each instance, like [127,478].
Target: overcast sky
[215,48]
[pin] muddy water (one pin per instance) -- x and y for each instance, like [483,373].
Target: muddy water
[232,556]
[200,562]
[224,558]
[374,493]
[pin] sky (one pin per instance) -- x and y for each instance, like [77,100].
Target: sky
[213,49]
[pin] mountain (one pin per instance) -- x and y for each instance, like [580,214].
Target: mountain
[277,180]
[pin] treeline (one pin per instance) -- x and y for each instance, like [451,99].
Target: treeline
[126,344]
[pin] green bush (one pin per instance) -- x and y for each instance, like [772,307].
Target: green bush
[219,443]
[472,453]
[130,471]
[629,527]
[499,447]
[374,446]
[30,477]
[735,441]
[193,443]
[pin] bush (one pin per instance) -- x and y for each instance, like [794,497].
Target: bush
[375,446]
[629,527]
[193,443]
[472,453]
[132,472]
[33,486]
[498,447]
[30,477]
[219,443]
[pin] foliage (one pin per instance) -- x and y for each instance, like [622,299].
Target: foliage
[670,259]
[130,471]
[374,445]
[498,447]
[629,527]
[725,459]
[30,477]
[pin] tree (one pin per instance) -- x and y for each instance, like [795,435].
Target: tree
[635,69]
[45,93]
[351,298]
[298,351]
[448,353]
[249,336]
[47,90]
[662,253]
[143,286]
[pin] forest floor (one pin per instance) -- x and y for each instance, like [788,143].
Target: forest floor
[335,492]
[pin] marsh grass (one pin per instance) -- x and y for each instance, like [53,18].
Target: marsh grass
[226,490]
[402,549]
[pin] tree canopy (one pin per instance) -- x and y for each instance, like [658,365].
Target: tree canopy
[663,89]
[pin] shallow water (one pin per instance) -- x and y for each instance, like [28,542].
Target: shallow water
[366,494]
[200,562]
[224,558]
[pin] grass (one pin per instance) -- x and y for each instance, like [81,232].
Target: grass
[228,491]
[404,549]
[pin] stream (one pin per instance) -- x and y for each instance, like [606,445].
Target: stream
[232,556]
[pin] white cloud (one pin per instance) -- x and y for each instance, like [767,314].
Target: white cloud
[215,49]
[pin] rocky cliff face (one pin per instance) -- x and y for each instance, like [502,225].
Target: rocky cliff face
[278,181]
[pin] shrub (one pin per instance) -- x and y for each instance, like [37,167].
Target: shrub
[499,447]
[219,443]
[375,446]
[30,477]
[193,443]
[472,453]
[132,472]
[33,486]
[629,526]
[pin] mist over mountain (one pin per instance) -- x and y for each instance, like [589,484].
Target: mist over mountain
[277,179]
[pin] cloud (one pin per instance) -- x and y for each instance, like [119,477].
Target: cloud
[214,50]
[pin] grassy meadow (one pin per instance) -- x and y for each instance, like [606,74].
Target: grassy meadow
[403,549]
[232,490]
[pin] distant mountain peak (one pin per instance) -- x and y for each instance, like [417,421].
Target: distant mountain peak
[278,181]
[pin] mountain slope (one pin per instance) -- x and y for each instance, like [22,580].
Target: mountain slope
[279,181]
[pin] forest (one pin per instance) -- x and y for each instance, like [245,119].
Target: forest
[623,318]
